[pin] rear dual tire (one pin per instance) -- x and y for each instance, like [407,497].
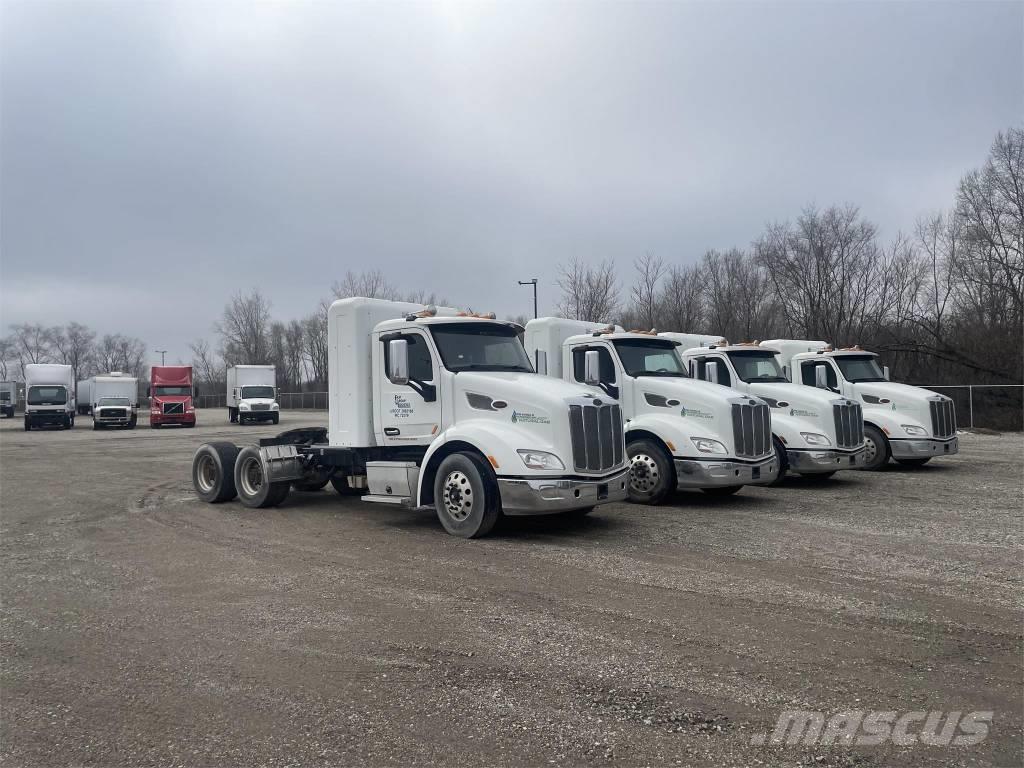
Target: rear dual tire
[213,472]
[253,488]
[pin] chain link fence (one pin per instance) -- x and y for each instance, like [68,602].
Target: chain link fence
[992,406]
[289,401]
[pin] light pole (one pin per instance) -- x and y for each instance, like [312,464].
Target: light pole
[162,353]
[533,282]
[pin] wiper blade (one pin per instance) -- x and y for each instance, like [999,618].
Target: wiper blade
[674,374]
[486,367]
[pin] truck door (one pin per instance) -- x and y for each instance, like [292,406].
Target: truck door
[809,374]
[609,374]
[410,414]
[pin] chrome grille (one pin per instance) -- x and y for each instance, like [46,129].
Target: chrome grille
[113,413]
[174,408]
[849,424]
[596,431]
[751,429]
[261,407]
[943,417]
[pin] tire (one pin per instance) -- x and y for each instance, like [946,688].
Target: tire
[466,496]
[153,426]
[877,448]
[340,484]
[132,423]
[28,425]
[316,483]
[276,418]
[190,425]
[722,490]
[914,462]
[652,475]
[253,489]
[780,455]
[95,425]
[213,472]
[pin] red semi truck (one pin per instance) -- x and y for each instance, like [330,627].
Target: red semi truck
[170,392]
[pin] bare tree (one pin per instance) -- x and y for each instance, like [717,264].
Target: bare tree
[208,366]
[371,284]
[644,293]
[680,301]
[116,352]
[74,346]
[7,357]
[588,292]
[32,344]
[315,334]
[244,329]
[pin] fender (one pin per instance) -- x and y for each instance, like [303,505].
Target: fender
[789,428]
[889,422]
[672,429]
[494,440]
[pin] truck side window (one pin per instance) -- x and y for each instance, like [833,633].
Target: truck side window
[606,364]
[723,370]
[421,365]
[808,376]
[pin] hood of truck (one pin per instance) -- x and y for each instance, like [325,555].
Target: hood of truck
[906,404]
[544,392]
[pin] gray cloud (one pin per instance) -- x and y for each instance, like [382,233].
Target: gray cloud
[157,157]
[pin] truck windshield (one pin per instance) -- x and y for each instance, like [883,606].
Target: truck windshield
[114,401]
[47,395]
[859,368]
[757,365]
[5,396]
[641,357]
[159,391]
[480,347]
[254,391]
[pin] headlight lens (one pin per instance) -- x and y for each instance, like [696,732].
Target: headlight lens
[243,407]
[707,445]
[275,407]
[813,438]
[540,459]
[913,429]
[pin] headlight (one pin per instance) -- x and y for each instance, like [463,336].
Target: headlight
[540,459]
[275,407]
[913,429]
[813,438]
[707,445]
[243,406]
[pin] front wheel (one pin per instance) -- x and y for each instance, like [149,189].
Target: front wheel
[781,460]
[914,462]
[466,496]
[722,490]
[652,476]
[28,425]
[254,490]
[876,448]
[276,418]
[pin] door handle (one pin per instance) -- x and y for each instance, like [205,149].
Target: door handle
[392,431]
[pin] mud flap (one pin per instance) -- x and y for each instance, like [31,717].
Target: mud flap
[281,463]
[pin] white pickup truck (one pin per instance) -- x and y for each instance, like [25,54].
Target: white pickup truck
[815,433]
[114,400]
[435,408]
[680,432]
[252,394]
[909,424]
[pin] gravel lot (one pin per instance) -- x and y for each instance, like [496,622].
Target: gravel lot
[142,627]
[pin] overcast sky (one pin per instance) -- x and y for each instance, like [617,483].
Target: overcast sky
[157,157]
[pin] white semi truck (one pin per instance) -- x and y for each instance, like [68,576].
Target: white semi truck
[680,432]
[49,395]
[433,408]
[252,394]
[815,433]
[909,424]
[114,400]
[8,398]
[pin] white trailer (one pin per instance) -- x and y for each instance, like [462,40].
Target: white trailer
[252,394]
[114,400]
[433,408]
[83,397]
[49,395]
[815,433]
[908,424]
[8,398]
[680,432]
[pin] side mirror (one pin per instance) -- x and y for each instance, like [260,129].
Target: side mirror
[591,368]
[820,377]
[398,356]
[711,371]
[541,362]
[885,372]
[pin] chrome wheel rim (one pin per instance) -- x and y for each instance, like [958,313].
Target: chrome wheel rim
[206,473]
[457,493]
[251,476]
[644,475]
[870,449]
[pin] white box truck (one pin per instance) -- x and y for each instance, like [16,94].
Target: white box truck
[680,432]
[815,433]
[83,397]
[8,398]
[49,395]
[115,400]
[252,394]
[433,408]
[909,424]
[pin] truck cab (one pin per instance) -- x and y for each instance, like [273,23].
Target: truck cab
[908,424]
[8,398]
[815,432]
[171,396]
[49,395]
[680,432]
[252,394]
[436,408]
[115,401]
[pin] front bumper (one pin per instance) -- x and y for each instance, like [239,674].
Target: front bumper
[173,418]
[812,462]
[693,473]
[920,449]
[48,417]
[548,495]
[113,421]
